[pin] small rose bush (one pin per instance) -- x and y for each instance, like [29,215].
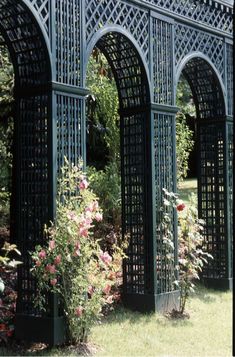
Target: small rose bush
[71,263]
[191,255]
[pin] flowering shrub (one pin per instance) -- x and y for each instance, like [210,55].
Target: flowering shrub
[7,291]
[191,256]
[72,264]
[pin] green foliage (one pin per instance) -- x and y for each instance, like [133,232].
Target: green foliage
[192,257]
[102,113]
[184,145]
[106,184]
[184,135]
[6,120]
[72,263]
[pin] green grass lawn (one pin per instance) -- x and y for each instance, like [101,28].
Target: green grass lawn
[187,187]
[208,332]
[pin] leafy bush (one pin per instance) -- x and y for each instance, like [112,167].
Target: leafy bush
[7,291]
[191,256]
[184,146]
[6,116]
[106,184]
[72,263]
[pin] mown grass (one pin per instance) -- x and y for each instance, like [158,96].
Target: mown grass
[187,187]
[208,332]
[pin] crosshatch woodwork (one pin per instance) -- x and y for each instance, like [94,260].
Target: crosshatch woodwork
[148,44]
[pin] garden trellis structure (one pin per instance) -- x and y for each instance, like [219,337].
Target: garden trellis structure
[148,44]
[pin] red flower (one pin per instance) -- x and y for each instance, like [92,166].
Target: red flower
[3,327]
[180,207]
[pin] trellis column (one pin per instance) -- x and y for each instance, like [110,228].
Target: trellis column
[164,176]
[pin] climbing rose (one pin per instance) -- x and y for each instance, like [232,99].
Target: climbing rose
[83,232]
[53,282]
[90,290]
[79,311]
[109,300]
[83,184]
[52,244]
[77,249]
[38,263]
[98,217]
[57,259]
[107,289]
[105,257]
[42,254]
[180,207]
[50,268]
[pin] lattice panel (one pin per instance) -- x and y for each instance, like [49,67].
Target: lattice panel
[230,189]
[127,68]
[212,196]
[133,200]
[68,129]
[229,49]
[129,17]
[29,51]
[164,178]
[33,186]
[42,7]
[213,15]
[68,41]
[206,89]
[189,40]
[162,62]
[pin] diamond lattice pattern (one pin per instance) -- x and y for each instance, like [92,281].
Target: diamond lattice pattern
[189,40]
[214,16]
[132,18]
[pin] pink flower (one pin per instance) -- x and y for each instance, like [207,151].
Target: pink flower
[42,254]
[52,244]
[95,206]
[90,290]
[83,184]
[57,259]
[53,282]
[105,257]
[109,299]
[83,232]
[98,217]
[107,289]
[38,263]
[180,207]
[72,216]
[89,208]
[77,249]
[79,311]
[50,268]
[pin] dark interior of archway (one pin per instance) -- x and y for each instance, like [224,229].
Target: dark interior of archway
[134,97]
[210,142]
[30,190]
[206,89]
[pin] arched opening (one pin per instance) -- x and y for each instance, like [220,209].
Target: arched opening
[134,110]
[31,145]
[211,165]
